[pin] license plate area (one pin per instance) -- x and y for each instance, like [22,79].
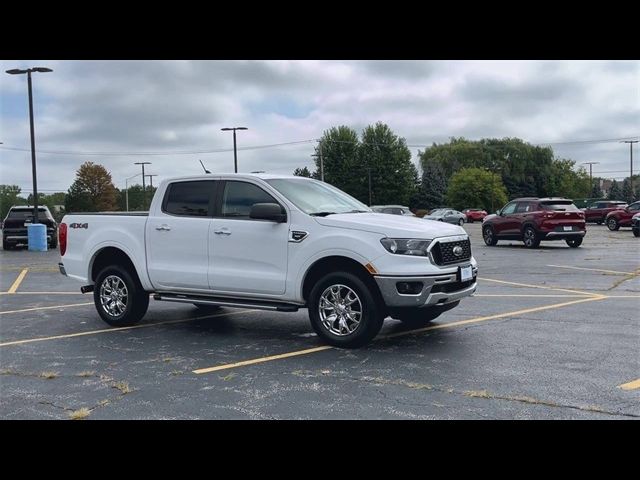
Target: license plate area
[465,273]
[567,229]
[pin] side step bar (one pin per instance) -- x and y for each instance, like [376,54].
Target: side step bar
[226,302]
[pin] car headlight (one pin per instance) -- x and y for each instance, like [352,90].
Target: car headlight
[406,246]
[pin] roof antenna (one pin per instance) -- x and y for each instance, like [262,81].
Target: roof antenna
[205,170]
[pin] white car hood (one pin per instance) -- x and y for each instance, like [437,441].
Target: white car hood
[393,226]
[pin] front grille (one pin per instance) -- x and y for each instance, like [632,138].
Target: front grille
[443,252]
[452,286]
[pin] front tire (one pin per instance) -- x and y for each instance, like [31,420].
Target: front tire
[489,236]
[574,242]
[119,297]
[613,224]
[461,222]
[344,311]
[530,237]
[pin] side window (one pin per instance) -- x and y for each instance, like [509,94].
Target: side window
[634,207]
[387,210]
[396,211]
[509,209]
[189,199]
[239,197]
[522,207]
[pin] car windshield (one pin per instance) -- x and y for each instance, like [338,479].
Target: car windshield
[317,198]
[558,205]
[23,213]
[437,212]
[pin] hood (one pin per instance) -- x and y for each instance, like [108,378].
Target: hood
[393,226]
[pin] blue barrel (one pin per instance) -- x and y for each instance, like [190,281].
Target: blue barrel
[37,237]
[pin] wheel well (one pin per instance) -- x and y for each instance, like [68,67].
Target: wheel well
[337,264]
[112,256]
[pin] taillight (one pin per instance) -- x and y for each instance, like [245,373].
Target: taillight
[62,238]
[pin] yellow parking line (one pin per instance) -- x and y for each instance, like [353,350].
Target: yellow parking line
[18,281]
[393,335]
[538,286]
[42,293]
[525,296]
[631,385]
[46,308]
[118,329]
[593,269]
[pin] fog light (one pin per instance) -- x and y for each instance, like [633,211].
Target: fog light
[409,288]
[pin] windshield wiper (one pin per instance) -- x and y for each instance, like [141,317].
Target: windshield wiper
[356,211]
[321,214]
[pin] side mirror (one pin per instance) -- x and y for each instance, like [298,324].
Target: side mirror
[268,211]
[498,212]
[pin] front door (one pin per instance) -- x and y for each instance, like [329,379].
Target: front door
[246,256]
[506,223]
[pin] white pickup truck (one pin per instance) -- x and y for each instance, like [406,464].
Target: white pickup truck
[269,242]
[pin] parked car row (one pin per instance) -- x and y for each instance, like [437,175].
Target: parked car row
[621,217]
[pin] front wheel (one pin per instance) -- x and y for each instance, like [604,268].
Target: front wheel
[574,242]
[119,296]
[344,311]
[530,237]
[461,222]
[613,224]
[489,236]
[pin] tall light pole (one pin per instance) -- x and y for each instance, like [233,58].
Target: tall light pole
[630,142]
[126,189]
[235,151]
[151,180]
[591,164]
[144,190]
[28,71]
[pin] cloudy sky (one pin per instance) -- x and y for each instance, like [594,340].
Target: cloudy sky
[104,111]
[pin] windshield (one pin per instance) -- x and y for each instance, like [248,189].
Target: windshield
[23,213]
[559,205]
[439,211]
[314,197]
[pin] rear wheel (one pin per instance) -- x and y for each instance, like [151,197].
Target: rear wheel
[6,245]
[344,311]
[119,297]
[489,236]
[574,242]
[461,222]
[613,224]
[530,237]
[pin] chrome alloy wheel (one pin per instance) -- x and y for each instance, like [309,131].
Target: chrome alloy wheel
[340,310]
[114,295]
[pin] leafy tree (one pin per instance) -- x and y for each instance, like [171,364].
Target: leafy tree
[596,191]
[615,192]
[385,157]
[564,181]
[476,188]
[136,198]
[636,192]
[340,159]
[303,172]
[92,190]
[432,188]
[9,196]
[627,193]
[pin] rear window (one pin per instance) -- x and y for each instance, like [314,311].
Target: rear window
[24,213]
[559,206]
[189,199]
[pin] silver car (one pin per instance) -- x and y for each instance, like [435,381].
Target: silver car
[392,209]
[446,215]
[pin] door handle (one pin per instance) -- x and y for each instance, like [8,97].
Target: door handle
[163,227]
[222,231]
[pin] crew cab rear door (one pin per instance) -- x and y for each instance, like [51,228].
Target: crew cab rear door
[177,236]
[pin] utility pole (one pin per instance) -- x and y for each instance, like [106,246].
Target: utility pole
[591,164]
[630,142]
[235,150]
[319,155]
[144,190]
[369,170]
[151,180]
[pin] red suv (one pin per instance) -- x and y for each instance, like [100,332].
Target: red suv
[535,219]
[597,211]
[622,216]
[474,214]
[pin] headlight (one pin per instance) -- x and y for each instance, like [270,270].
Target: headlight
[406,246]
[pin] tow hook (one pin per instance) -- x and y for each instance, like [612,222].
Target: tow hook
[86,289]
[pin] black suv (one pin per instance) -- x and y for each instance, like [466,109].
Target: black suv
[14,227]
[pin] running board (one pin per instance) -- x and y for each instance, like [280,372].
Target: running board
[227,302]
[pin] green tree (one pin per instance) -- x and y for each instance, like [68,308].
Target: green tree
[9,196]
[432,188]
[340,159]
[385,157]
[303,172]
[476,188]
[92,190]
[596,191]
[627,193]
[615,192]
[136,198]
[636,192]
[564,181]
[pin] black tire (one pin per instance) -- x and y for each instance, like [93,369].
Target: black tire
[207,308]
[6,245]
[574,242]
[420,317]
[530,237]
[369,306]
[636,232]
[136,299]
[461,222]
[489,236]
[613,224]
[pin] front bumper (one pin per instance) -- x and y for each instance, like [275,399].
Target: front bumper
[438,289]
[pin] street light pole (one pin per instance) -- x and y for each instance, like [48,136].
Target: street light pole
[630,142]
[126,189]
[235,150]
[151,180]
[144,190]
[591,164]
[28,71]
[369,170]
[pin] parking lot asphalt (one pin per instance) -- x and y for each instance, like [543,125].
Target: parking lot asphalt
[552,333]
